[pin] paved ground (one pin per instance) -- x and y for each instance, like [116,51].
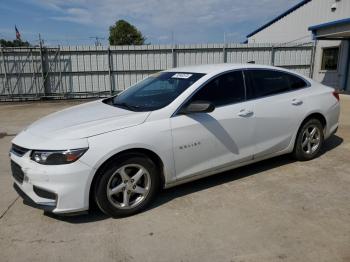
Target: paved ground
[276,210]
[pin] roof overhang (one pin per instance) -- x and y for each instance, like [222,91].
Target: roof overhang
[335,30]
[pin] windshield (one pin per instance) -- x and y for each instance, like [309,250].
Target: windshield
[155,92]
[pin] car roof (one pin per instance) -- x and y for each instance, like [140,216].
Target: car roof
[217,68]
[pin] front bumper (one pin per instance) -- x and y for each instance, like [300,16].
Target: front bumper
[58,189]
[332,118]
[28,201]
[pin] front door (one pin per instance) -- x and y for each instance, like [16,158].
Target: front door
[203,142]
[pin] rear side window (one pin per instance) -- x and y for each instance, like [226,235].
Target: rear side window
[270,82]
[223,90]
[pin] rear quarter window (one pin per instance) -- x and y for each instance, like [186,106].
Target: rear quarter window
[296,82]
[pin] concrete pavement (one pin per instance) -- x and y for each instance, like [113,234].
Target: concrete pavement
[276,210]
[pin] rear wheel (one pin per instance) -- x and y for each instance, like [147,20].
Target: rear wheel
[309,140]
[127,185]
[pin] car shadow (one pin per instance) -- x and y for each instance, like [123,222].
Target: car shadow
[331,143]
[235,174]
[204,183]
[220,133]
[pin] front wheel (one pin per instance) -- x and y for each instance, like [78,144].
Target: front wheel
[127,185]
[309,140]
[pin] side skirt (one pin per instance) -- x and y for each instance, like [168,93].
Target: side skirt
[223,169]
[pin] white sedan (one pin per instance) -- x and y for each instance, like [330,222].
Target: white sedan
[175,126]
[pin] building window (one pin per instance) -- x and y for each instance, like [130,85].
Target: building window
[330,58]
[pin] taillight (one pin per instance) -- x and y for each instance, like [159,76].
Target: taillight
[336,95]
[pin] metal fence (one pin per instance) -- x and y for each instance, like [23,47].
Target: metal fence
[85,71]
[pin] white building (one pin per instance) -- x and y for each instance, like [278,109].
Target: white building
[327,22]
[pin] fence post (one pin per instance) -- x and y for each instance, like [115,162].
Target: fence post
[34,77]
[60,72]
[5,70]
[42,66]
[312,62]
[224,53]
[173,52]
[272,55]
[110,71]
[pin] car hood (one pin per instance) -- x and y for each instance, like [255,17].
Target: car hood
[85,120]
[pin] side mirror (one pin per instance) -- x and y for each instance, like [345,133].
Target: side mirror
[197,107]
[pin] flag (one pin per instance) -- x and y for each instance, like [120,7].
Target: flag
[18,35]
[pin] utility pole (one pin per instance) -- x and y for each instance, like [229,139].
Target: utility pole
[97,40]
[172,38]
[229,37]
[41,41]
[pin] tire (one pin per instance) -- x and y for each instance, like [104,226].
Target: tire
[127,185]
[309,140]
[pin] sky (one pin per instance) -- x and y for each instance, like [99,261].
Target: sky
[76,22]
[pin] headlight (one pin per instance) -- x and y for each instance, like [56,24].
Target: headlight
[57,157]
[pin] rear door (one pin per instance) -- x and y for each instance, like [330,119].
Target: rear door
[207,141]
[279,105]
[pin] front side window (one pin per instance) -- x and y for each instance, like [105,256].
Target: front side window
[155,92]
[330,58]
[270,82]
[223,90]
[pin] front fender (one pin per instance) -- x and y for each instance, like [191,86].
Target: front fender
[152,136]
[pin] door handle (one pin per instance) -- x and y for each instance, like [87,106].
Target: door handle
[296,102]
[245,113]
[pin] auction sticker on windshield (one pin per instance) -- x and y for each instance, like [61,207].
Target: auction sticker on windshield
[183,76]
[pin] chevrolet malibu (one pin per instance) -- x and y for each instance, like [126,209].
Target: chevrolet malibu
[173,127]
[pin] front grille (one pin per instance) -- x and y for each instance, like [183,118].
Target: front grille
[17,172]
[18,151]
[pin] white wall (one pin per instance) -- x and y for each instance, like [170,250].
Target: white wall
[294,27]
[327,77]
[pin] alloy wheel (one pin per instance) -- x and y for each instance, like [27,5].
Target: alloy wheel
[311,139]
[128,186]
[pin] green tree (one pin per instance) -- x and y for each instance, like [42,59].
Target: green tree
[123,33]
[14,43]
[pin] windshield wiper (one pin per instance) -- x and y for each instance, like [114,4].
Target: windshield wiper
[127,106]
